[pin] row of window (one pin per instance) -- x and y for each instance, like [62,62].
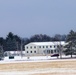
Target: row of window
[31,52]
[51,51]
[30,47]
[47,46]
[48,51]
[42,47]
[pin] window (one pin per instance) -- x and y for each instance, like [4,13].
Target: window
[51,51]
[27,47]
[55,51]
[27,51]
[54,46]
[48,51]
[46,46]
[43,47]
[34,46]
[50,46]
[57,46]
[61,45]
[31,47]
[34,51]
[39,46]
[30,51]
[58,51]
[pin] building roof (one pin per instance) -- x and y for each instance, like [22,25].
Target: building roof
[47,43]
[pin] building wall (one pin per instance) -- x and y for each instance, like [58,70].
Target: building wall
[14,53]
[31,50]
[47,49]
[34,50]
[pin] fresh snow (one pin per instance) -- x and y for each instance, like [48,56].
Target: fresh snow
[19,59]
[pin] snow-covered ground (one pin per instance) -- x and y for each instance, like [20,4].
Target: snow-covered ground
[18,59]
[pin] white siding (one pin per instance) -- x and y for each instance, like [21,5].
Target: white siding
[38,48]
[31,48]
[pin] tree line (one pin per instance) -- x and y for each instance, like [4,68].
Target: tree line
[14,42]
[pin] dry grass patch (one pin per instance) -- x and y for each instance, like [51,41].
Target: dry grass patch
[37,65]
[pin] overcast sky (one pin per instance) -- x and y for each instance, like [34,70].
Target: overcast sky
[29,17]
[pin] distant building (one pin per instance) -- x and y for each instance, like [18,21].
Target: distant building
[14,53]
[42,48]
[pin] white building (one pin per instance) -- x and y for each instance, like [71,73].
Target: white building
[14,53]
[42,48]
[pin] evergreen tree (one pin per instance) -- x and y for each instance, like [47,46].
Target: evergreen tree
[12,42]
[71,44]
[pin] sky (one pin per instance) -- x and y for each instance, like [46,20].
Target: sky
[28,17]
